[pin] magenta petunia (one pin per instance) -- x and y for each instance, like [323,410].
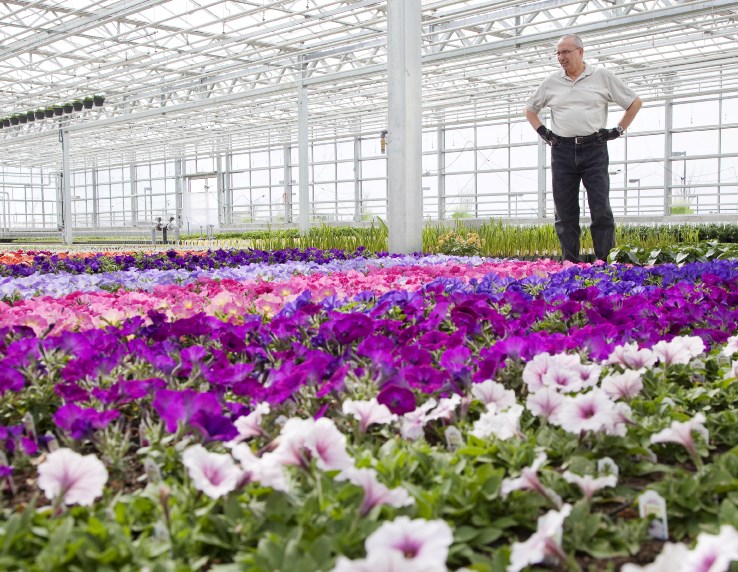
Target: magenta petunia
[399,400]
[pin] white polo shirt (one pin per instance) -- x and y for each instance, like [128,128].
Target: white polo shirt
[579,107]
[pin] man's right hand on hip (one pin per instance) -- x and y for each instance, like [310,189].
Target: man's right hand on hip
[548,136]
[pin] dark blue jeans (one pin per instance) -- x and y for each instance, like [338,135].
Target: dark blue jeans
[586,164]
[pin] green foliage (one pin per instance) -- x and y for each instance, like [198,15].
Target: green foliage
[676,253]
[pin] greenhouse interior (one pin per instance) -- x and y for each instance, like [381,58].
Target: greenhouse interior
[296,286]
[202,104]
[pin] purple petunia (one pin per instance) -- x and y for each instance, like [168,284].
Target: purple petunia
[81,423]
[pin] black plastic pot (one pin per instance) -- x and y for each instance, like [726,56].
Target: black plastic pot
[58,111]
[68,108]
[87,103]
[40,114]
[31,116]
[49,112]
[6,122]
[77,105]
[14,120]
[23,119]
[98,100]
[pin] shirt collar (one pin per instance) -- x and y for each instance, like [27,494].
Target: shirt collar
[587,71]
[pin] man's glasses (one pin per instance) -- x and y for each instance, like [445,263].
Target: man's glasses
[564,52]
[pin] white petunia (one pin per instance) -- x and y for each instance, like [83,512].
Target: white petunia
[588,484]
[683,433]
[544,544]
[75,478]
[593,411]
[624,385]
[490,391]
[368,413]
[215,474]
[503,425]
[630,356]
[546,403]
[375,493]
[680,350]
[327,446]
[250,425]
[422,542]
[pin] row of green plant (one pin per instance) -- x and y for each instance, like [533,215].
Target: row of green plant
[637,244]
[52,110]
[493,238]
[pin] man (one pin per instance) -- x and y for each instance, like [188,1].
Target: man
[578,97]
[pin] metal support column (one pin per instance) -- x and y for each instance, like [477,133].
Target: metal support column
[66,188]
[95,200]
[359,206]
[287,184]
[302,159]
[440,165]
[404,150]
[228,189]
[668,174]
[134,197]
[178,193]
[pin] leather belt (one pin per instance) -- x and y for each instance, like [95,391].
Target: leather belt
[579,140]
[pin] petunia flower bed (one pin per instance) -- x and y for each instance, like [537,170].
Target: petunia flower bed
[350,412]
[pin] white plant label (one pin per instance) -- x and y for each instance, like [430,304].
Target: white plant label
[653,504]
